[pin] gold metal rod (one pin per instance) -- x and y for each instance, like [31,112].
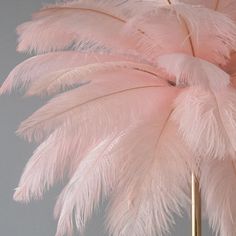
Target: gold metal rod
[196,207]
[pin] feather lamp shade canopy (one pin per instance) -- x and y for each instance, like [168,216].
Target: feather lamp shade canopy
[142,94]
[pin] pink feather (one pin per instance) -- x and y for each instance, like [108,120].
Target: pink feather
[207,122]
[146,196]
[218,184]
[71,147]
[33,69]
[141,93]
[213,42]
[226,7]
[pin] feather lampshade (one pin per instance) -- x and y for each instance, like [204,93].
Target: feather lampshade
[142,96]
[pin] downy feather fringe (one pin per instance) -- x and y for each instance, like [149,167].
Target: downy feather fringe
[74,138]
[207,121]
[159,96]
[218,184]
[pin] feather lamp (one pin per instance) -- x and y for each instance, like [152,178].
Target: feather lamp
[142,106]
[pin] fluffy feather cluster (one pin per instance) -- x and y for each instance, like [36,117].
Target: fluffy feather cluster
[143,93]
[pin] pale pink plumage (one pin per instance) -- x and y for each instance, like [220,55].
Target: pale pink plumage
[218,184]
[227,6]
[146,96]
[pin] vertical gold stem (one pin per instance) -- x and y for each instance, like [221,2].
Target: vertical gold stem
[196,207]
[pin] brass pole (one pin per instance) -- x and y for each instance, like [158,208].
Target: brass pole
[196,207]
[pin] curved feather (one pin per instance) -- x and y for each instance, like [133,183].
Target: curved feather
[34,68]
[211,102]
[141,36]
[213,42]
[65,107]
[153,182]
[122,136]
[207,121]
[228,8]
[218,184]
[99,174]
[85,205]
[92,181]
[86,25]
[74,139]
[49,164]
[225,6]
[192,71]
[55,81]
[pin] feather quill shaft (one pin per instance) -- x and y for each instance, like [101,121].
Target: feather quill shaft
[156,104]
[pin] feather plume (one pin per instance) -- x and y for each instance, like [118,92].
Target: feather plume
[212,104]
[74,140]
[93,179]
[213,42]
[53,82]
[51,160]
[218,184]
[192,71]
[187,21]
[86,24]
[75,193]
[67,106]
[33,69]
[82,193]
[159,97]
[207,121]
[226,7]
[151,188]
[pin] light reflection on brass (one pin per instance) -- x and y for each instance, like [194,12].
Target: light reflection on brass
[196,207]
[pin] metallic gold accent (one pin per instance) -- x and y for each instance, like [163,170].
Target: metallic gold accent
[196,207]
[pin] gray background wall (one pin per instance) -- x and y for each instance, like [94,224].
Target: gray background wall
[35,219]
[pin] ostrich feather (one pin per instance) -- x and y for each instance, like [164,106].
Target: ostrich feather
[141,36]
[99,22]
[101,164]
[192,71]
[83,181]
[207,121]
[53,82]
[82,193]
[158,95]
[212,104]
[94,178]
[218,180]
[52,160]
[34,68]
[226,7]
[67,106]
[71,147]
[148,183]
[213,42]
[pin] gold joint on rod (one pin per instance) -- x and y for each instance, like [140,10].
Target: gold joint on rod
[196,207]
